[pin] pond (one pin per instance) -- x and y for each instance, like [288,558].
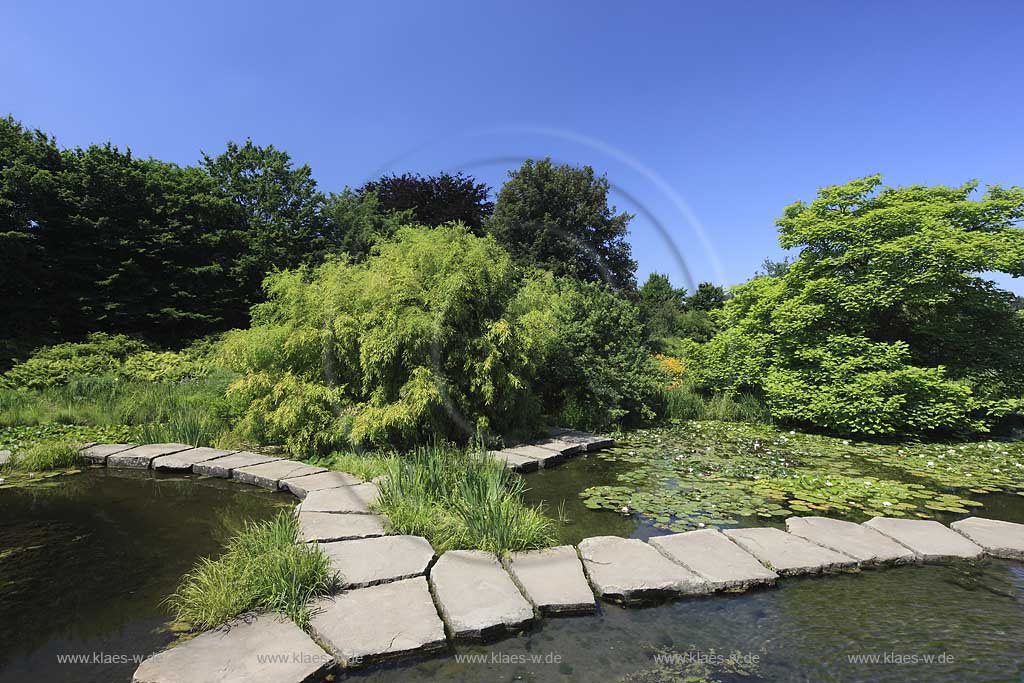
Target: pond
[87,559]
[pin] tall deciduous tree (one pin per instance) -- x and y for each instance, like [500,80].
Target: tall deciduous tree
[434,200]
[661,306]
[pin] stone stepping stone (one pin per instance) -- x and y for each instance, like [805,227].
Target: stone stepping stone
[591,442]
[250,649]
[369,561]
[926,537]
[789,555]
[327,526]
[563,446]
[183,461]
[628,570]
[553,580]
[268,475]
[141,457]
[519,463]
[867,546]
[223,467]
[97,454]
[351,499]
[5,457]
[545,457]
[712,556]
[302,485]
[477,597]
[380,622]
[998,538]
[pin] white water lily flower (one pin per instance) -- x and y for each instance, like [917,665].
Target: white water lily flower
[886,503]
[625,509]
[930,463]
[700,524]
[828,483]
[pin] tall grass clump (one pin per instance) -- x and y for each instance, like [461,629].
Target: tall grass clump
[682,402]
[46,455]
[461,499]
[264,568]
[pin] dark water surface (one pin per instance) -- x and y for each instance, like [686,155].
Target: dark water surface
[87,559]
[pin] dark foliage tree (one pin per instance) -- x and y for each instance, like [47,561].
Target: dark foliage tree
[661,306]
[434,200]
[708,297]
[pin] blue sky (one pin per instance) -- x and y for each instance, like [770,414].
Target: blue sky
[708,118]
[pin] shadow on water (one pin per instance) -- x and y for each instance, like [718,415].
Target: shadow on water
[87,559]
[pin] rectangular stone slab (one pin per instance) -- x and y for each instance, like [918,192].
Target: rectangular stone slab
[628,570]
[591,442]
[927,538]
[327,526]
[789,555]
[545,457]
[713,557]
[5,457]
[998,538]
[141,457]
[302,485]
[380,622]
[183,461]
[561,445]
[98,453]
[553,580]
[250,649]
[223,467]
[268,475]
[477,597]
[369,561]
[862,543]
[519,463]
[352,499]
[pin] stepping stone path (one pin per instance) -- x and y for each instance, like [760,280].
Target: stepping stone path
[562,444]
[629,571]
[478,599]
[869,547]
[260,649]
[713,557]
[789,555]
[400,602]
[552,580]
[927,538]
[998,538]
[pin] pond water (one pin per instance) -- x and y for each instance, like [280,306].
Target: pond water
[87,559]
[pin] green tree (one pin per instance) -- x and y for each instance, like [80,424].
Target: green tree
[661,306]
[707,298]
[558,217]
[434,200]
[357,221]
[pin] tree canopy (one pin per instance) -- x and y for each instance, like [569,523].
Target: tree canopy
[434,200]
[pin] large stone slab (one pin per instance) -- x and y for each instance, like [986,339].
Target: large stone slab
[141,457]
[477,597]
[545,457]
[369,561]
[713,557]
[519,463]
[352,499]
[591,442]
[998,538]
[5,457]
[326,526]
[927,538]
[183,461]
[553,580]
[269,475]
[629,571]
[789,555]
[302,485]
[867,546]
[223,467]
[97,454]
[563,446]
[380,622]
[263,649]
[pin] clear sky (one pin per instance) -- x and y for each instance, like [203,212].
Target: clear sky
[708,118]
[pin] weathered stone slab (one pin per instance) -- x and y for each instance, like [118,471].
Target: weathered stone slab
[998,538]
[553,580]
[380,622]
[369,561]
[352,499]
[477,597]
[519,463]
[302,485]
[251,649]
[545,457]
[327,526]
[141,457]
[628,570]
[269,475]
[591,442]
[867,546]
[5,457]
[713,557]
[223,467]
[183,461]
[98,453]
[563,446]
[789,555]
[926,537]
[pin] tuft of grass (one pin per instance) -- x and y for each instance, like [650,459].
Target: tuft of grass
[366,466]
[461,499]
[46,455]
[263,568]
[682,402]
